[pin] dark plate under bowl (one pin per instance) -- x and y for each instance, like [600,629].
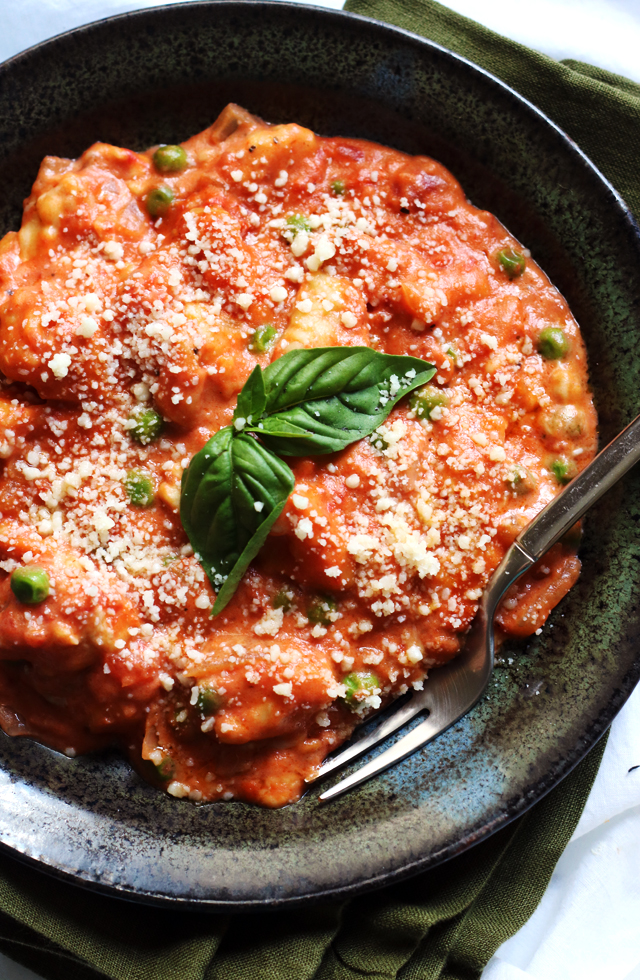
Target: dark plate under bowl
[161,75]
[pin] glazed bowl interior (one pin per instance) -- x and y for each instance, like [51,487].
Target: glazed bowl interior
[161,75]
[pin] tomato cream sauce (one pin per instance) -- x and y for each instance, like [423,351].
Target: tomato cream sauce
[373,572]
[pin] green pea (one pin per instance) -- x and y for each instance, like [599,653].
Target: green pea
[520,479]
[298,222]
[338,186]
[359,686]
[564,469]
[425,400]
[378,441]
[159,201]
[139,488]
[562,421]
[512,262]
[166,769]
[283,600]
[552,343]
[262,338]
[319,611]
[148,424]
[30,584]
[209,700]
[169,159]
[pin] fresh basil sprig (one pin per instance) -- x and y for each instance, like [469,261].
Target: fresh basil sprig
[306,403]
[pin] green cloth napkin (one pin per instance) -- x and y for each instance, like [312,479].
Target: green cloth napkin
[444,924]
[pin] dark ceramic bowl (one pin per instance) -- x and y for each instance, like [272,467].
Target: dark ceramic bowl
[161,75]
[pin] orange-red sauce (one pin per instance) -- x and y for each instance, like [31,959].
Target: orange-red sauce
[379,559]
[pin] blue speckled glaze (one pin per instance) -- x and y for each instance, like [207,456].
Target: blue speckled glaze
[161,75]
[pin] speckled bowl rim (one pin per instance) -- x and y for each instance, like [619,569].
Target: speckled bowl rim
[594,732]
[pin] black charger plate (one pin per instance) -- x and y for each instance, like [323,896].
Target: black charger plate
[160,75]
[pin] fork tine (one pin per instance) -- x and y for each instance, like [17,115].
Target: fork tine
[437,696]
[448,695]
[396,720]
[420,735]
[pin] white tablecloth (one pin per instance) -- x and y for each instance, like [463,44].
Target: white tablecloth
[587,926]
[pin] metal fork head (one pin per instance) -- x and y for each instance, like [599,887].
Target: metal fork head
[453,689]
[449,693]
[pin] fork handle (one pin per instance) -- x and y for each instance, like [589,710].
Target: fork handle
[560,514]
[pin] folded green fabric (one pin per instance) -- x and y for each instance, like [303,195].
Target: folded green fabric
[441,925]
[444,924]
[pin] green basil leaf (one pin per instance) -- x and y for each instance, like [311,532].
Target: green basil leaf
[364,385]
[252,399]
[276,425]
[324,372]
[221,487]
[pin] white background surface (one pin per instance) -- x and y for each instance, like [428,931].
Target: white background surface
[587,926]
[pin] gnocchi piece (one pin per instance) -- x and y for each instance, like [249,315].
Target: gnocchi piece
[327,312]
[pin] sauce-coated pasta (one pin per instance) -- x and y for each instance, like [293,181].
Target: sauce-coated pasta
[139,294]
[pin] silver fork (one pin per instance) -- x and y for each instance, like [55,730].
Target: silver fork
[452,690]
